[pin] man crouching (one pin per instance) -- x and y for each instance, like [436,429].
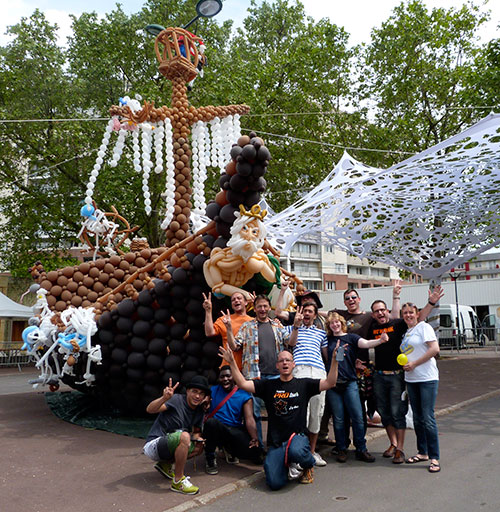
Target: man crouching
[286,402]
[176,433]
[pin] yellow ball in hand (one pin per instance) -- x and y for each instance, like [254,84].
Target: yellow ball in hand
[402,359]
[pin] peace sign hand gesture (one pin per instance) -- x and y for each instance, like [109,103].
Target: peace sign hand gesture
[207,302]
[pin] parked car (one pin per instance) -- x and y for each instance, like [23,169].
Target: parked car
[467,331]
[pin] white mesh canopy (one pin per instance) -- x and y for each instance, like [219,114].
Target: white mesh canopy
[426,214]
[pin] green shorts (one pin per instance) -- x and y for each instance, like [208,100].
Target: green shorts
[173,441]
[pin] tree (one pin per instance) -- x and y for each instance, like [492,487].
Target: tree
[35,197]
[415,73]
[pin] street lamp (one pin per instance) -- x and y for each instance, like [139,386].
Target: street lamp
[455,275]
[204,9]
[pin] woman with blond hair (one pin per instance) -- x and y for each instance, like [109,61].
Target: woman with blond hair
[345,393]
[422,378]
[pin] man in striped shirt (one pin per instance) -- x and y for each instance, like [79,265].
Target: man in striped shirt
[309,363]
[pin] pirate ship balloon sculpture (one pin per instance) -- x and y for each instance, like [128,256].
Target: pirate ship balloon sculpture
[123,324]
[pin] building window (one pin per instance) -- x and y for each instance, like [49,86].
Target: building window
[339,267]
[312,285]
[330,285]
[479,276]
[329,248]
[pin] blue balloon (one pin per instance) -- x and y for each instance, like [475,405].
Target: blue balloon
[88,211]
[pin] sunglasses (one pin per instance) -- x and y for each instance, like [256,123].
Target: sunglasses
[352,297]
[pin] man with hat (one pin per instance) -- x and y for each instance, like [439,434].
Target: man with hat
[176,433]
[302,299]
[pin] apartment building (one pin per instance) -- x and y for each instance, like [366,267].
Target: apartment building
[327,268]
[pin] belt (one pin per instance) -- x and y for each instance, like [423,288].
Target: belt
[389,372]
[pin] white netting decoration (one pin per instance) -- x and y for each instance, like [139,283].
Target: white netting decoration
[426,214]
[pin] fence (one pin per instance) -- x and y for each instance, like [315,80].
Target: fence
[469,338]
[12,355]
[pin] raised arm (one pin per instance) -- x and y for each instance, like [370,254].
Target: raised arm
[209,323]
[299,317]
[282,315]
[362,343]
[331,378]
[239,380]
[226,320]
[434,297]
[396,302]
[159,404]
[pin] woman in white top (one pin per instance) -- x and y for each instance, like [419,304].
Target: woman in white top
[422,378]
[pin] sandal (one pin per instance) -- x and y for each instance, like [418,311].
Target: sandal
[416,458]
[389,452]
[434,467]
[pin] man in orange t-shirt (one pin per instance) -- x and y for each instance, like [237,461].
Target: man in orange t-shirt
[218,328]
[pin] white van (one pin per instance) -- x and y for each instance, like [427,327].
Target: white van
[469,326]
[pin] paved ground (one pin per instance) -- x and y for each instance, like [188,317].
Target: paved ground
[51,465]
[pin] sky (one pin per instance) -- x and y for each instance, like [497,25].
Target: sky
[358,17]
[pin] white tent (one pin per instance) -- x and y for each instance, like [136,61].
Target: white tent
[11,309]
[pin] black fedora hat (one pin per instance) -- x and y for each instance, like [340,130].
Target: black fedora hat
[306,296]
[199,382]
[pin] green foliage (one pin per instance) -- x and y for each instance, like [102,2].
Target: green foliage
[415,72]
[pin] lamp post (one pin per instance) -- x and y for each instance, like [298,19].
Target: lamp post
[455,275]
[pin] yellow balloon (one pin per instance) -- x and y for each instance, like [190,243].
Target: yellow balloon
[402,359]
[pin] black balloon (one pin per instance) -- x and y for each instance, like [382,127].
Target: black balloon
[141,328]
[249,152]
[235,151]
[154,362]
[126,308]
[176,347]
[124,324]
[244,168]
[145,313]
[158,346]
[161,315]
[227,213]
[136,360]
[138,344]
[119,355]
[172,363]
[178,331]
[145,298]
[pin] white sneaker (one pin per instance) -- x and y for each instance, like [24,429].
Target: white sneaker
[294,471]
[320,462]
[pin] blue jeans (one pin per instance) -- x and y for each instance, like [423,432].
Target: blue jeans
[388,390]
[422,399]
[350,398]
[274,465]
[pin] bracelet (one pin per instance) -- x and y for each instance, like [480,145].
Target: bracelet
[396,298]
[432,303]
[295,328]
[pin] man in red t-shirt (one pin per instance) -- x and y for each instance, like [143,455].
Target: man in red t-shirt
[218,328]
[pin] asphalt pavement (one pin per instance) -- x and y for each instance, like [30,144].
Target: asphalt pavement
[51,465]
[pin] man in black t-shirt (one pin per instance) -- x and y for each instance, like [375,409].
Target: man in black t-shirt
[389,380]
[176,433]
[286,401]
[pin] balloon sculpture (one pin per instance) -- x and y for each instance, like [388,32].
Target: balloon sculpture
[121,326]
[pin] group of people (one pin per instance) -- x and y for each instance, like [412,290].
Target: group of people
[304,367]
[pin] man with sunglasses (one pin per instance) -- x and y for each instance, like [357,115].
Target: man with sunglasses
[388,378]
